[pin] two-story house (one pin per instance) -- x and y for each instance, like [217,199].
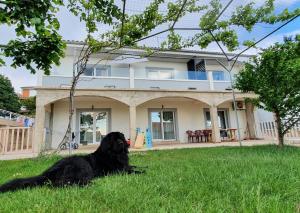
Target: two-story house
[168,92]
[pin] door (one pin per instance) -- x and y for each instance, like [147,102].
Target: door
[163,125]
[222,119]
[93,126]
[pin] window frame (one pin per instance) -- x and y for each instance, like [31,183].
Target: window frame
[159,70]
[218,71]
[108,67]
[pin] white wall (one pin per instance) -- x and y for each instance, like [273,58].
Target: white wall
[232,118]
[190,115]
[263,115]
[119,117]
[180,68]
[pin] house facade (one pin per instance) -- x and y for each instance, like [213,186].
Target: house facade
[168,93]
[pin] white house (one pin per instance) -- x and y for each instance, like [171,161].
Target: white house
[170,92]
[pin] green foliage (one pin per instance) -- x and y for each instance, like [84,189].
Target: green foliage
[225,30]
[30,105]
[274,76]
[37,44]
[9,100]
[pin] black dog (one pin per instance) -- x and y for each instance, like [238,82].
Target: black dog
[111,157]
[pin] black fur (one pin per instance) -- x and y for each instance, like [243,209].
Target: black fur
[111,157]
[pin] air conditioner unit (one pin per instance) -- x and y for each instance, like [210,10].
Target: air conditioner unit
[240,105]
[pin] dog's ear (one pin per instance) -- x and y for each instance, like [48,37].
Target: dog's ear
[106,143]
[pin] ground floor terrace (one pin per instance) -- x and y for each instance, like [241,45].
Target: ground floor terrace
[167,114]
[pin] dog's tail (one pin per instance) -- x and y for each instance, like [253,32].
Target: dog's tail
[22,183]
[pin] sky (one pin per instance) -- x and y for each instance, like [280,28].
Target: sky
[72,29]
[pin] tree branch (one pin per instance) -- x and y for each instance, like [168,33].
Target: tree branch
[291,125]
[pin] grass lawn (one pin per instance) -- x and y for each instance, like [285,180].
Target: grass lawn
[248,179]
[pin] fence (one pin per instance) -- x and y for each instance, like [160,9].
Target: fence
[14,140]
[15,119]
[268,130]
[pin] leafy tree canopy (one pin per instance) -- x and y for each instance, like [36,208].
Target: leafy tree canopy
[274,75]
[38,44]
[30,105]
[8,98]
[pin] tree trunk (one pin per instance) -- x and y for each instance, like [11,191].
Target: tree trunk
[280,140]
[280,135]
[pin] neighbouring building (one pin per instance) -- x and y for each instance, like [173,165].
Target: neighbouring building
[27,92]
[168,92]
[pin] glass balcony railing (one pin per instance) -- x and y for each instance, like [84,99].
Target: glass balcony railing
[154,78]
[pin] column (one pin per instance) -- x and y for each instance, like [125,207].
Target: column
[210,80]
[131,76]
[39,128]
[215,124]
[250,120]
[132,124]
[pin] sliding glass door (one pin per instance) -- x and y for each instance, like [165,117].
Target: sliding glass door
[163,125]
[222,119]
[93,126]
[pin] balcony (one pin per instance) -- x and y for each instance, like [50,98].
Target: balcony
[120,79]
[115,78]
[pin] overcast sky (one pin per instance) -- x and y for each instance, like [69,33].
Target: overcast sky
[72,29]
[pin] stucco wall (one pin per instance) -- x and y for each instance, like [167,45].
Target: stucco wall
[119,117]
[232,120]
[190,116]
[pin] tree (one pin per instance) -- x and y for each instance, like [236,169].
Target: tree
[128,29]
[30,105]
[9,100]
[39,45]
[274,76]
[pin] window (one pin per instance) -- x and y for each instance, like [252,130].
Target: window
[98,70]
[222,119]
[197,75]
[218,76]
[163,125]
[160,73]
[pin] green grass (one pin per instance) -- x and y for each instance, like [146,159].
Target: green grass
[249,179]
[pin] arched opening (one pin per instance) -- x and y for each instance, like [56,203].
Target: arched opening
[240,121]
[168,118]
[93,118]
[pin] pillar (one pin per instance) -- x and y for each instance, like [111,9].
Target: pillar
[131,76]
[39,128]
[215,124]
[210,80]
[250,120]
[132,124]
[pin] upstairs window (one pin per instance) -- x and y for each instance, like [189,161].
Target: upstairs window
[98,70]
[218,76]
[160,73]
[196,69]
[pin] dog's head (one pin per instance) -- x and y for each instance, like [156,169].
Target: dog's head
[114,143]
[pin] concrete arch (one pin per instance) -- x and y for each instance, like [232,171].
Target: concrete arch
[46,99]
[195,97]
[238,96]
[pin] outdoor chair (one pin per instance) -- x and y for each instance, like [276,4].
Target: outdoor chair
[191,135]
[207,135]
[199,135]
